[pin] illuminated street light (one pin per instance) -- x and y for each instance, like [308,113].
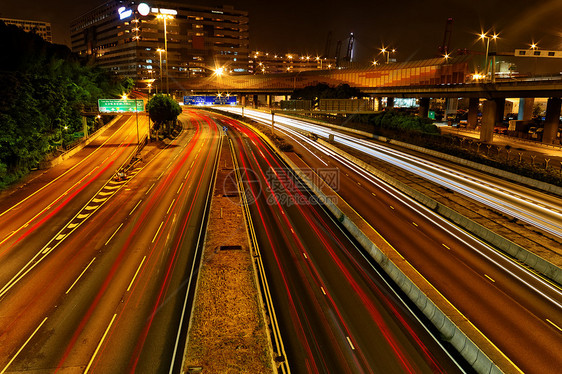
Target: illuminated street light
[483,36]
[160,50]
[165,17]
[375,62]
[534,46]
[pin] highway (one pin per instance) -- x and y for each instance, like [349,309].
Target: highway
[111,296]
[336,313]
[538,209]
[516,310]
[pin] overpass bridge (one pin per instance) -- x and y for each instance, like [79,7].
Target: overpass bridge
[424,79]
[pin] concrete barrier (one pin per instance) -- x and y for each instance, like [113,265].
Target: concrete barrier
[450,331]
[68,154]
[541,265]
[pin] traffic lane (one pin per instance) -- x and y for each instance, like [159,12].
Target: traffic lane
[93,236]
[26,244]
[446,266]
[149,235]
[364,315]
[534,212]
[26,215]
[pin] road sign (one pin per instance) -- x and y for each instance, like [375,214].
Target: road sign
[120,106]
[209,100]
[224,128]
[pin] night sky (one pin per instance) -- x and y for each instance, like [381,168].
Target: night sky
[415,28]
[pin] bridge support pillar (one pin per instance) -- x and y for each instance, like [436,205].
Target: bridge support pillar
[378,103]
[500,109]
[390,102]
[472,119]
[552,119]
[424,107]
[451,106]
[243,100]
[489,115]
[525,108]
[268,100]
[255,101]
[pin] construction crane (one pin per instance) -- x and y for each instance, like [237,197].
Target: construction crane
[445,48]
[349,54]
[338,50]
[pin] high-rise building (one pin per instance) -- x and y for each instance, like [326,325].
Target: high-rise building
[131,38]
[43,29]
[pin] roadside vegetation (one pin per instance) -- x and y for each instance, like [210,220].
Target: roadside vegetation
[163,111]
[44,88]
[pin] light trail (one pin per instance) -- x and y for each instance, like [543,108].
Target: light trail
[535,211]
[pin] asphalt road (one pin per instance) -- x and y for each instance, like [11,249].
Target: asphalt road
[518,311]
[110,296]
[336,313]
[538,209]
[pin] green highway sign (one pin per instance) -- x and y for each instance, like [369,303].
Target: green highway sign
[120,106]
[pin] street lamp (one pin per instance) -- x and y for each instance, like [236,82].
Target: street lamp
[160,50]
[165,17]
[387,51]
[483,36]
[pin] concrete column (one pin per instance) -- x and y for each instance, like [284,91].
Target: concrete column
[243,100]
[526,108]
[500,109]
[390,102]
[472,119]
[268,100]
[552,119]
[451,106]
[255,100]
[489,115]
[424,107]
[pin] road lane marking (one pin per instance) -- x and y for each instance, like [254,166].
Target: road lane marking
[90,207]
[149,189]
[374,194]
[72,225]
[487,276]
[155,235]
[161,174]
[391,207]
[171,204]
[106,193]
[99,345]
[181,185]
[135,207]
[350,343]
[22,347]
[415,224]
[82,216]
[445,245]
[322,288]
[135,276]
[115,232]
[99,200]
[46,250]
[554,324]
[305,256]
[60,237]
[80,276]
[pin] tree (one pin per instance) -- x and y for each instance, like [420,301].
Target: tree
[162,109]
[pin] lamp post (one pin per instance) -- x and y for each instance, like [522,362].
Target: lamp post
[165,17]
[160,50]
[487,39]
